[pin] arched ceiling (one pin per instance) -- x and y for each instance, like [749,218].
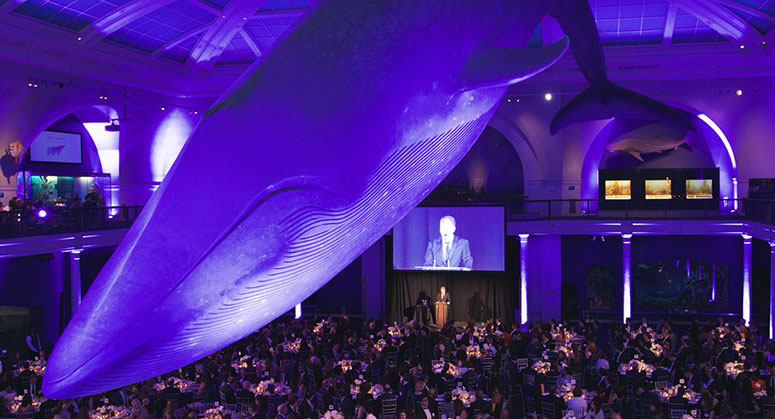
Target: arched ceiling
[218,33]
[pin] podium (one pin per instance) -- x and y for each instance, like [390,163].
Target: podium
[442,313]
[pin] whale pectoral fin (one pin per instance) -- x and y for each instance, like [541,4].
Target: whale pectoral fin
[636,155]
[607,100]
[504,66]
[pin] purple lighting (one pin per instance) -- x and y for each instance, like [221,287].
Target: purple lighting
[626,292]
[747,245]
[523,277]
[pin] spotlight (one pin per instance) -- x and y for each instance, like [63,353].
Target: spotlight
[548,96]
[78,39]
[508,100]
[196,112]
[742,46]
[163,107]
[42,214]
[29,84]
[739,92]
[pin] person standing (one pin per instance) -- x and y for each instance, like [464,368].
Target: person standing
[442,307]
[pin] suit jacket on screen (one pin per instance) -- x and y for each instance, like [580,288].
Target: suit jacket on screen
[459,255]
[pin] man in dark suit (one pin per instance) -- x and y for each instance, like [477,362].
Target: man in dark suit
[424,410]
[448,250]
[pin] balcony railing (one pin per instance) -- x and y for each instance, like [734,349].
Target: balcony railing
[762,211]
[59,220]
[70,220]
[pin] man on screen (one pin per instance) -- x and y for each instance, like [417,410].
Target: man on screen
[448,250]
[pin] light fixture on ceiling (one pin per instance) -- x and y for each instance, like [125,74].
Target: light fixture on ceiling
[163,107]
[548,96]
[739,92]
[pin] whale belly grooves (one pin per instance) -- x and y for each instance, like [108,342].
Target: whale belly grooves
[322,238]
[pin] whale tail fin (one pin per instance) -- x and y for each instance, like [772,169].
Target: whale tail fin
[493,67]
[607,100]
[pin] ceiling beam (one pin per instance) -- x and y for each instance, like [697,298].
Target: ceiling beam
[113,21]
[180,38]
[215,39]
[748,9]
[251,43]
[207,7]
[292,13]
[722,20]
[667,37]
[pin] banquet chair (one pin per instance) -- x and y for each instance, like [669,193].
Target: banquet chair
[446,409]
[607,409]
[659,385]
[530,404]
[677,413]
[487,364]
[205,407]
[567,413]
[200,396]
[580,412]
[547,409]
[522,363]
[230,406]
[767,408]
[389,406]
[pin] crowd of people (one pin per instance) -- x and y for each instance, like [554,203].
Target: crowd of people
[343,368]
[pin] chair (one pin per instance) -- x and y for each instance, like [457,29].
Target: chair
[376,375]
[677,413]
[521,363]
[487,364]
[607,409]
[205,407]
[230,406]
[579,412]
[659,385]
[567,413]
[530,404]
[548,409]
[273,401]
[389,406]
[446,410]
[179,412]
[200,396]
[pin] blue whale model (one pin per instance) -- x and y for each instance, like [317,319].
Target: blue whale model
[355,116]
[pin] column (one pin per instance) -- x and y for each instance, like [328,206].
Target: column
[772,288]
[626,265]
[75,279]
[747,245]
[523,277]
[297,311]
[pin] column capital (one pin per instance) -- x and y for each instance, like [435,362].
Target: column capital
[746,237]
[523,236]
[772,246]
